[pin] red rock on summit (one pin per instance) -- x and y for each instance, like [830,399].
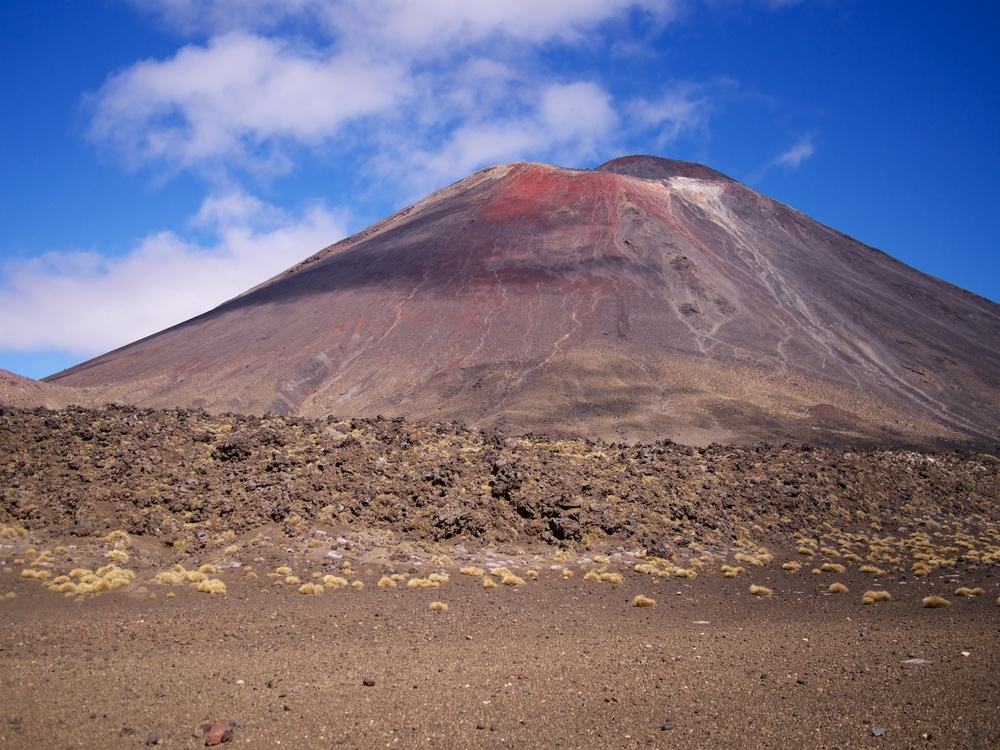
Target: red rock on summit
[645,299]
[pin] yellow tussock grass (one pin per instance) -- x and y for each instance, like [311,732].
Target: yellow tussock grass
[760,590]
[211,586]
[512,580]
[829,567]
[334,582]
[791,567]
[838,588]
[385,582]
[643,601]
[422,583]
[879,595]
[935,602]
[964,591]
[311,588]
[472,570]
[872,569]
[489,583]
[438,607]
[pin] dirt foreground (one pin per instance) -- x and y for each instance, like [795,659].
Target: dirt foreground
[554,661]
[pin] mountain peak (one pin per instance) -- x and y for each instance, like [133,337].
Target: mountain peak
[658,168]
[642,300]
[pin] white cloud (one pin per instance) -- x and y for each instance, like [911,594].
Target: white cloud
[796,154]
[274,75]
[85,303]
[677,110]
[564,122]
[235,97]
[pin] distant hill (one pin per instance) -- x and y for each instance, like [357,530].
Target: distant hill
[645,299]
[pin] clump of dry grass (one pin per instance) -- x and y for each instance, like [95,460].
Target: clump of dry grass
[284,570]
[334,582]
[438,577]
[438,607]
[935,602]
[472,570]
[489,583]
[422,583]
[512,580]
[829,567]
[760,590]
[963,591]
[195,576]
[119,538]
[311,588]
[119,556]
[920,569]
[212,586]
[385,582]
[791,566]
[207,569]
[838,588]
[730,571]
[879,595]
[806,551]
[168,578]
[872,569]
[357,585]
[643,601]
[13,532]
[291,580]
[688,573]
[567,573]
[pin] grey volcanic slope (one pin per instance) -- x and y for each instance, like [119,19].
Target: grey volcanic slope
[645,299]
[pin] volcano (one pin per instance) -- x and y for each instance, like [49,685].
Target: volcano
[645,299]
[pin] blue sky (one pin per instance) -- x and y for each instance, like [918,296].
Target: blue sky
[161,156]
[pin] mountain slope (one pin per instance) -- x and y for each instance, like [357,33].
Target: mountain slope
[645,299]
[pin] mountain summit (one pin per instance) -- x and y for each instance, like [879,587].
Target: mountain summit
[644,299]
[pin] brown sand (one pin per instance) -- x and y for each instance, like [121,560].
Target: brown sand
[554,663]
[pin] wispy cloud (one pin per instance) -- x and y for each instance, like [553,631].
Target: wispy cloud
[796,154]
[85,303]
[450,82]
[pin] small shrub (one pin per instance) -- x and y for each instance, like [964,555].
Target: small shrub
[472,570]
[438,607]
[760,590]
[643,601]
[873,569]
[210,586]
[512,580]
[838,588]
[334,582]
[489,583]
[935,602]
[963,591]
[422,583]
[873,597]
[357,585]
[385,582]
[791,567]
[829,567]
[311,588]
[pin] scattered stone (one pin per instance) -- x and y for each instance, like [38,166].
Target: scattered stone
[667,725]
[915,662]
[219,733]
[152,738]
[878,731]
[368,682]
